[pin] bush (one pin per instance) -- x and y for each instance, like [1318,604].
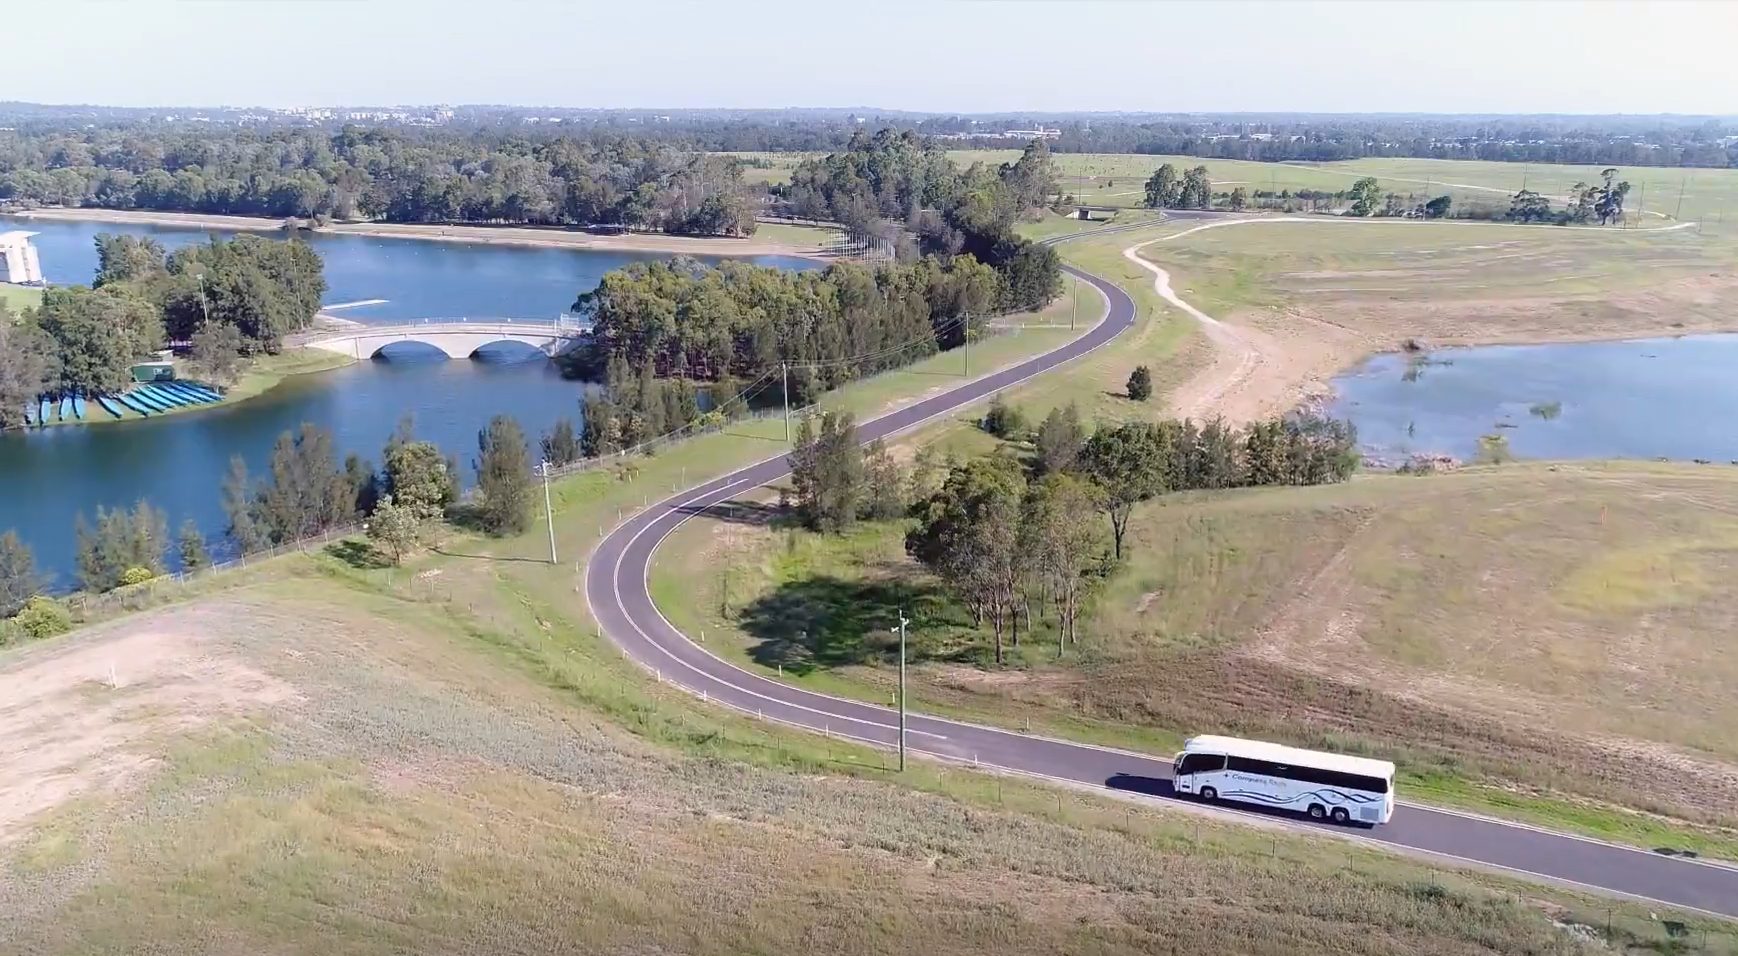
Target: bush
[1004,420]
[43,617]
[1140,384]
[136,575]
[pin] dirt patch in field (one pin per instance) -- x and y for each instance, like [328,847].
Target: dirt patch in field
[87,715]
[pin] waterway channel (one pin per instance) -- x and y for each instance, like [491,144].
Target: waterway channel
[48,476]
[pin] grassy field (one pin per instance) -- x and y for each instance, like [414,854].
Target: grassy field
[18,297]
[330,760]
[1544,641]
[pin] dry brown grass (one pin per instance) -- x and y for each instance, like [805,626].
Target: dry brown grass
[421,791]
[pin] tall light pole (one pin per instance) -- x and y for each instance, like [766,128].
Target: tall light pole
[968,332]
[204,307]
[548,509]
[902,623]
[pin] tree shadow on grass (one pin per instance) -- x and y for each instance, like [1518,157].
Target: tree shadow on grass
[358,554]
[827,622]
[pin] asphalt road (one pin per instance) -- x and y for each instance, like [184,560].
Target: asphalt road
[620,601]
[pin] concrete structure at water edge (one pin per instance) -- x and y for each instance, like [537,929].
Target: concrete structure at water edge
[18,262]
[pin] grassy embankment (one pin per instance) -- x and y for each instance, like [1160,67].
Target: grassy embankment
[322,758]
[1395,572]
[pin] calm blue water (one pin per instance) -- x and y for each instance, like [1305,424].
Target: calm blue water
[48,476]
[418,278]
[1651,398]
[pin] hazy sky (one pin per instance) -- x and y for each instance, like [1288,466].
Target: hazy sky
[1575,56]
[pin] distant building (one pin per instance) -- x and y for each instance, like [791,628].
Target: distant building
[18,262]
[1040,133]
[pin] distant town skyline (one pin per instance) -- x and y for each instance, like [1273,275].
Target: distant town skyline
[1471,56]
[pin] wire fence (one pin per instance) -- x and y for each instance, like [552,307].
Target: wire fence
[132,597]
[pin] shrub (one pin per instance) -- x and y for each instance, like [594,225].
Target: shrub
[135,575]
[43,617]
[1140,384]
[1003,420]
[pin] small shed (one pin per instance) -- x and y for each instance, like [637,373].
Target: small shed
[154,372]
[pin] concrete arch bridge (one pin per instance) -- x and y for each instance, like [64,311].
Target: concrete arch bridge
[458,338]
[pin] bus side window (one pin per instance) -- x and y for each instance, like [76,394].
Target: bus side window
[1202,763]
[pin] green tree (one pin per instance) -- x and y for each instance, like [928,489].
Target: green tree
[1163,188]
[121,543]
[216,354]
[503,477]
[127,259]
[1128,462]
[827,472]
[1366,196]
[1064,544]
[968,533]
[18,579]
[1609,206]
[416,476]
[238,505]
[1060,438]
[29,366]
[394,527]
[1529,206]
[98,335]
[1238,199]
[191,545]
[560,445]
[1140,384]
[307,492]
[884,484]
[1197,190]
[1003,420]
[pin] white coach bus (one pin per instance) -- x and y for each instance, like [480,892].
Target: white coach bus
[1324,786]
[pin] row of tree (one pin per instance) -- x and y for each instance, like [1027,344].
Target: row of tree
[1192,190]
[1008,535]
[1601,203]
[381,173]
[743,322]
[219,302]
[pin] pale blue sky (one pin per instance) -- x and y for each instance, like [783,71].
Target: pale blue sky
[1578,56]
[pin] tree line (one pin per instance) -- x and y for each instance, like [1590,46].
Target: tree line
[1031,533]
[381,173]
[219,302]
[899,189]
[740,323]
[305,491]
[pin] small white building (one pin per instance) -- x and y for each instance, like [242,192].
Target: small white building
[18,262]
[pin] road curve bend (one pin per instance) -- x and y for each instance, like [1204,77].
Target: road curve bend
[617,592]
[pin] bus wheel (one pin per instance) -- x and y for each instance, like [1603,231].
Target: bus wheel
[1209,794]
[1318,812]
[1342,815]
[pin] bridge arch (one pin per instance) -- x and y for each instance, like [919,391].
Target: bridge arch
[456,339]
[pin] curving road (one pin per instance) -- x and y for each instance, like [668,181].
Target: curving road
[620,601]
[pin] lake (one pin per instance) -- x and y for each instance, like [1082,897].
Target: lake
[48,476]
[1670,398]
[418,278]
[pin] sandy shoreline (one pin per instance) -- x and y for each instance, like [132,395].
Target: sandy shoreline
[486,235]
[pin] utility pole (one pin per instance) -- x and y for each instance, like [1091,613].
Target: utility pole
[968,334]
[1075,301]
[1681,184]
[902,623]
[548,509]
[785,390]
[1641,205]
